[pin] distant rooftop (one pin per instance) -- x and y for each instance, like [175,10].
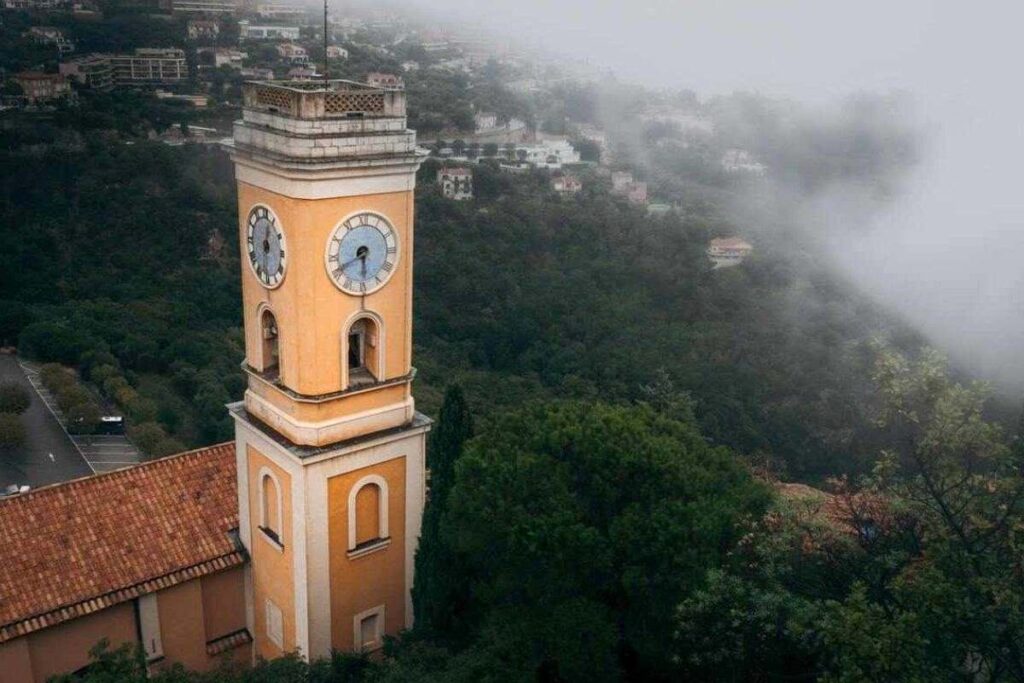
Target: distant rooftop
[320,99]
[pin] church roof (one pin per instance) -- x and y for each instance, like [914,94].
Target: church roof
[81,546]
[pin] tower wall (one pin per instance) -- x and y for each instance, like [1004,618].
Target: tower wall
[329,414]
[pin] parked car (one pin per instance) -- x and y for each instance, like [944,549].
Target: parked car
[111,424]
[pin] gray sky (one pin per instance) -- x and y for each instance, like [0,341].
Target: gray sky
[949,255]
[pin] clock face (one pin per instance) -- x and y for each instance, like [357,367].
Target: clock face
[362,253]
[265,244]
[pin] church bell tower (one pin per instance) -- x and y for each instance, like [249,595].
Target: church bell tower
[329,446]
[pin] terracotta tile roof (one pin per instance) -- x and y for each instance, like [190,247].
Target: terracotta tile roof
[730,243]
[77,547]
[228,642]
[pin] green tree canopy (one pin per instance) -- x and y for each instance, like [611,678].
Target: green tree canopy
[579,528]
[12,431]
[14,397]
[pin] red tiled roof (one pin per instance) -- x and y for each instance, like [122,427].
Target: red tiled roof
[228,642]
[730,243]
[77,547]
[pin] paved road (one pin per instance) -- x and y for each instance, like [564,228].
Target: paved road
[101,453]
[49,456]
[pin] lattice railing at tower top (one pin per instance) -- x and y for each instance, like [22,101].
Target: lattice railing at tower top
[315,99]
[344,102]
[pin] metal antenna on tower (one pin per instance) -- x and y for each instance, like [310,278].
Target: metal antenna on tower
[326,77]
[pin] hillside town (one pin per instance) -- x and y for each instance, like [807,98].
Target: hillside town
[192,57]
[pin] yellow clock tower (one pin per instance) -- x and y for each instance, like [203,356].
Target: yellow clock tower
[330,448]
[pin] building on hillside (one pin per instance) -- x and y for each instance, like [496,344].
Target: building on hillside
[742,161]
[90,71]
[256,73]
[296,54]
[410,65]
[728,251]
[149,66]
[301,534]
[207,7]
[195,100]
[221,56]
[566,184]
[551,154]
[382,80]
[36,4]
[86,10]
[50,35]
[280,10]
[247,31]
[303,73]
[485,121]
[38,87]
[456,183]
[336,52]
[206,29]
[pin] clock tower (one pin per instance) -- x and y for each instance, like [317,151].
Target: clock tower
[330,448]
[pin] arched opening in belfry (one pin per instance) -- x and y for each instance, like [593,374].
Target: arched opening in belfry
[271,351]
[362,352]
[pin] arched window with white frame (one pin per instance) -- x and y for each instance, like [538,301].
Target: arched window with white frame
[271,522]
[368,514]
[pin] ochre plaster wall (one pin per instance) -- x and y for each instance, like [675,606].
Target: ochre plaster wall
[181,625]
[65,647]
[223,602]
[371,580]
[272,569]
[310,309]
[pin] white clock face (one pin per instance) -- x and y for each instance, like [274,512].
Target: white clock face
[265,244]
[362,253]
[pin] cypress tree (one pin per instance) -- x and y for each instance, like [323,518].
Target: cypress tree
[435,593]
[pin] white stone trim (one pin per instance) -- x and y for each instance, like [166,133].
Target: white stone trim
[353,183]
[381,357]
[149,626]
[274,622]
[330,431]
[357,629]
[382,507]
[415,499]
[246,435]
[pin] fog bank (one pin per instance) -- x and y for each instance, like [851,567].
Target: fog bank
[948,252]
